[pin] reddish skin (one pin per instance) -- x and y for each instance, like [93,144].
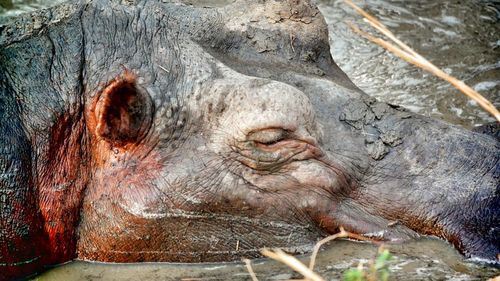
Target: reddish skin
[60,207]
[19,263]
[55,221]
[108,100]
[107,113]
[67,168]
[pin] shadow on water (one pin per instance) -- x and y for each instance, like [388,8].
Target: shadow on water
[460,36]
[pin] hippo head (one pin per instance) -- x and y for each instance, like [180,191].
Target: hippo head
[183,133]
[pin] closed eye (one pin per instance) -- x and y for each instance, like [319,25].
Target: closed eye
[268,136]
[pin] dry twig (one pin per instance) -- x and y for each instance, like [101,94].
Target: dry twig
[298,266]
[409,55]
[293,263]
[341,234]
[250,269]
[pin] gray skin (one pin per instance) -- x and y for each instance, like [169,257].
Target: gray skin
[149,131]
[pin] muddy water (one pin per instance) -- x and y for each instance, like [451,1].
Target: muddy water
[463,37]
[10,8]
[427,259]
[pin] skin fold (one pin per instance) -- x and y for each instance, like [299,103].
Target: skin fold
[149,131]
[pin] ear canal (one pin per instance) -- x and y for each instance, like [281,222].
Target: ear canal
[123,112]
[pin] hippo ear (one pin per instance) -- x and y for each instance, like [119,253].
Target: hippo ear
[123,112]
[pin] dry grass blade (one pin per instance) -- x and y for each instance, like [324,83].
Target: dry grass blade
[250,269]
[380,27]
[292,262]
[409,55]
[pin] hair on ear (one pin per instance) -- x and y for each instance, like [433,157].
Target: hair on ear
[123,111]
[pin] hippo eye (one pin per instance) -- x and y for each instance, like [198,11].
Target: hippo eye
[268,136]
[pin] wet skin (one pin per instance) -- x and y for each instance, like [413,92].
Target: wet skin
[165,132]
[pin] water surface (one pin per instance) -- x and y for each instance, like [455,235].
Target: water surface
[425,259]
[11,8]
[460,37]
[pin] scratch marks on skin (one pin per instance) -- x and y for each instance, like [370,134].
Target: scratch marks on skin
[273,28]
[299,11]
[51,60]
[376,235]
[139,210]
[33,23]
[28,261]
[163,68]
[298,249]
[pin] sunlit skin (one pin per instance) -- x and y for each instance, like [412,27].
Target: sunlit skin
[162,132]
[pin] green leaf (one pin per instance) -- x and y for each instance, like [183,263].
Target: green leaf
[354,274]
[382,259]
[384,275]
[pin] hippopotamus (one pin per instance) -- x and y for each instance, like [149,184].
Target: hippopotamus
[141,131]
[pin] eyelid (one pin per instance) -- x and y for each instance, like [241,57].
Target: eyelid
[268,136]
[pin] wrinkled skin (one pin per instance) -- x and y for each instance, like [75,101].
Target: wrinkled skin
[163,132]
